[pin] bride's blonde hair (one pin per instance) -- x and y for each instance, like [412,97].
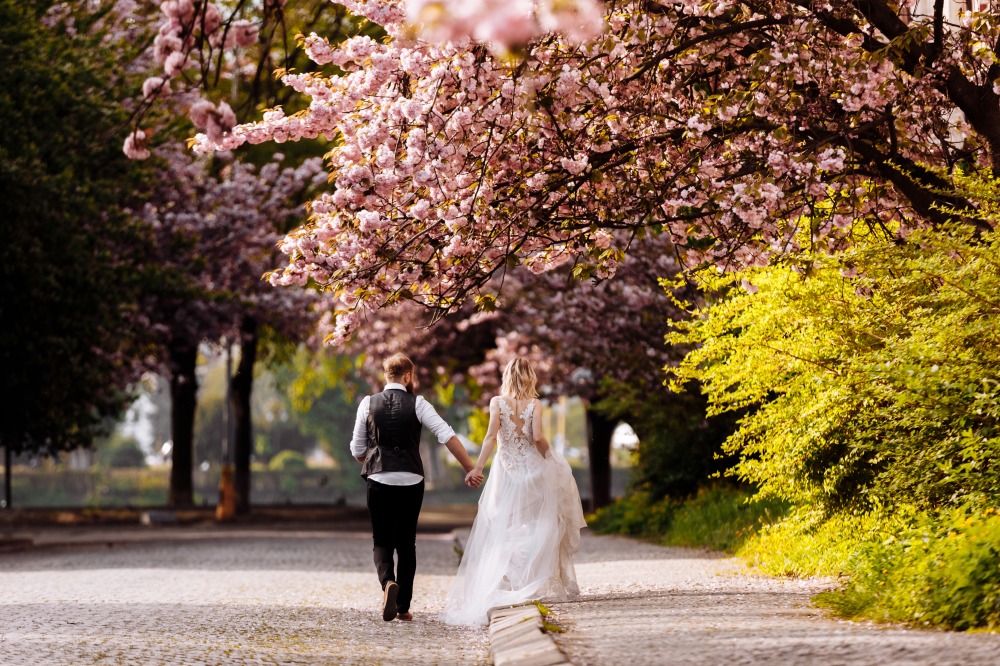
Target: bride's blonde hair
[519,380]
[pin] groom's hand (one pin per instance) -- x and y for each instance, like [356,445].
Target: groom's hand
[474,478]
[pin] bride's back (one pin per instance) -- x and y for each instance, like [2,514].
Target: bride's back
[528,523]
[515,438]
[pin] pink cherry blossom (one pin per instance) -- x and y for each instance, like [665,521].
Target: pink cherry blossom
[135,145]
[245,33]
[505,24]
[154,87]
[739,136]
[214,119]
[175,63]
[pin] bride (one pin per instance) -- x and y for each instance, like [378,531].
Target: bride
[528,525]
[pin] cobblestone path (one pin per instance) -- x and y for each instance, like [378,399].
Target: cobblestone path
[644,604]
[229,598]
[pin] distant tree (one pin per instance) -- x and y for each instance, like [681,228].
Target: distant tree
[121,451]
[68,348]
[214,219]
[214,225]
[321,390]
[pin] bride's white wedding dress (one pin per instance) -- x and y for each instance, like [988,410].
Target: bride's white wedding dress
[526,531]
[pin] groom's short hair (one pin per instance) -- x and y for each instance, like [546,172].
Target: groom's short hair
[397,365]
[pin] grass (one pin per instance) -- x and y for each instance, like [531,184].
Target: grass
[720,518]
[916,568]
[548,624]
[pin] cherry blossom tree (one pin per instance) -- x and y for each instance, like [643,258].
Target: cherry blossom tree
[212,62]
[215,221]
[213,236]
[465,145]
[742,130]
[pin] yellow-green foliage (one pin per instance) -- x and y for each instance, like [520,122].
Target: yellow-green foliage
[872,375]
[951,571]
[288,461]
[870,380]
[918,568]
[941,571]
[720,518]
[807,543]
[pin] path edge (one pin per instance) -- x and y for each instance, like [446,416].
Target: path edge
[517,636]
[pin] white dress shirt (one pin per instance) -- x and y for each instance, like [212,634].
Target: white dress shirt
[428,418]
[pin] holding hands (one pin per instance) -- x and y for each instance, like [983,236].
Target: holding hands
[475,477]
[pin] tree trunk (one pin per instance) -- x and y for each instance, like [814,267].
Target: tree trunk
[241,386]
[599,431]
[183,403]
[6,476]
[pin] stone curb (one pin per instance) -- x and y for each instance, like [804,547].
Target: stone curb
[516,634]
[517,638]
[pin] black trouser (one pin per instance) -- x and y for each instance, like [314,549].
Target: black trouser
[394,511]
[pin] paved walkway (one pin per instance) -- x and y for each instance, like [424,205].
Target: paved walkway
[224,596]
[644,604]
[235,595]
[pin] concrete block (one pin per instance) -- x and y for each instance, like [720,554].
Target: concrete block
[547,656]
[499,612]
[519,641]
[523,630]
[530,619]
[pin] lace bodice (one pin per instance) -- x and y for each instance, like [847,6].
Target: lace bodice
[516,449]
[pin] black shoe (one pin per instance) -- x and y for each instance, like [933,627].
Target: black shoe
[389,600]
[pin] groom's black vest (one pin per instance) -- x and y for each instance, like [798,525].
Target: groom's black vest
[393,434]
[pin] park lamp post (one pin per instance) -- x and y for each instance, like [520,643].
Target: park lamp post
[225,510]
[6,477]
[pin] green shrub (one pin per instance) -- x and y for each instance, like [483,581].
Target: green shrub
[634,515]
[288,461]
[870,374]
[943,572]
[721,518]
[120,451]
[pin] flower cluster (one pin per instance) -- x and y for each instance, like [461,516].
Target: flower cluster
[191,35]
[217,229]
[579,334]
[505,24]
[741,131]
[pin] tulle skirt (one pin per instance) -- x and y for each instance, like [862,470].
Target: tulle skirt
[522,542]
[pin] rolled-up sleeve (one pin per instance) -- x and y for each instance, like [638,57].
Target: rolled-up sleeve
[430,419]
[359,441]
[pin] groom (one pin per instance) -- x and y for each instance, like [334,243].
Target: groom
[387,443]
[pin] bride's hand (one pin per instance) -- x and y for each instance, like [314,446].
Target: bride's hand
[474,478]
